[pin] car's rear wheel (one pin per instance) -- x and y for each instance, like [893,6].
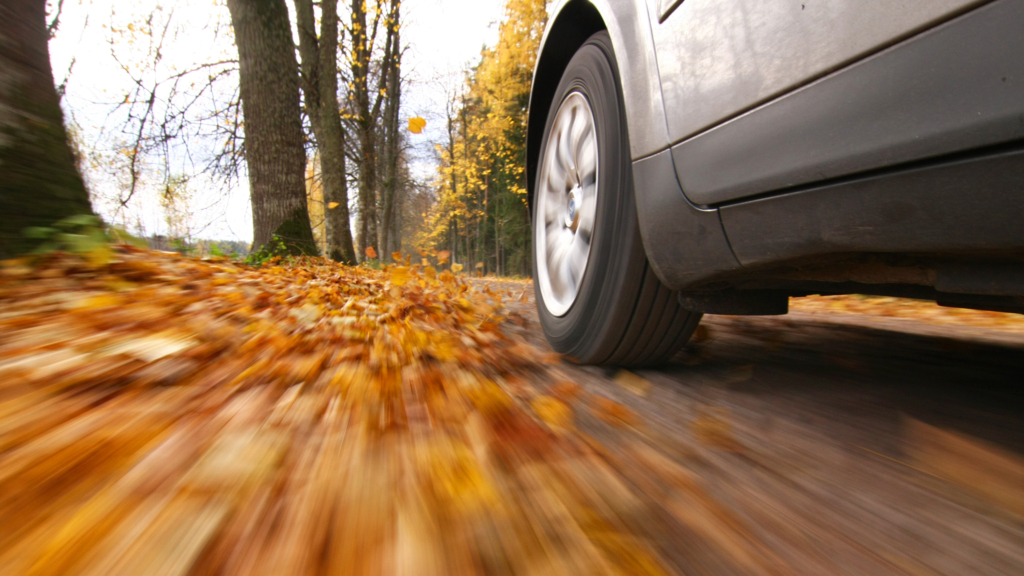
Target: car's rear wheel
[598,299]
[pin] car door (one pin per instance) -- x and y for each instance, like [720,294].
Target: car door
[718,59]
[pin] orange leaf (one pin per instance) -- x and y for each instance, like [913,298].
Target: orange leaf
[370,252]
[566,391]
[397,256]
[332,205]
[613,413]
[443,256]
[712,428]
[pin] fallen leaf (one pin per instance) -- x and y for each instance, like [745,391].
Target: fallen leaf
[613,413]
[712,428]
[400,276]
[566,391]
[630,381]
[553,412]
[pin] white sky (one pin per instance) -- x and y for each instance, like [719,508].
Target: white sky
[443,38]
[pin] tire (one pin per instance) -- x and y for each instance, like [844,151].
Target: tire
[621,313]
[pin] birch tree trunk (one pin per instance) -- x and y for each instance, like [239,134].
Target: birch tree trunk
[274,153]
[320,86]
[39,183]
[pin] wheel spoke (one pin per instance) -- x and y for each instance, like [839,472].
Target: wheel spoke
[576,257]
[565,155]
[588,213]
[587,160]
[567,204]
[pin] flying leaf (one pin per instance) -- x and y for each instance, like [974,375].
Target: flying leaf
[416,124]
[397,256]
[332,205]
[479,264]
[370,252]
[443,256]
[456,267]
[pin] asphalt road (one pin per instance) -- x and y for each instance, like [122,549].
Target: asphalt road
[805,444]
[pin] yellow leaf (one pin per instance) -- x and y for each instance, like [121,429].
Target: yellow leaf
[400,276]
[332,205]
[554,413]
[456,267]
[635,384]
[370,252]
[397,256]
[479,264]
[416,124]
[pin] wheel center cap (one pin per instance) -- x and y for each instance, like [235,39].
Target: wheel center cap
[572,209]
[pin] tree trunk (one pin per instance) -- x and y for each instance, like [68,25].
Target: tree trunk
[367,200]
[367,115]
[274,153]
[391,140]
[39,183]
[320,86]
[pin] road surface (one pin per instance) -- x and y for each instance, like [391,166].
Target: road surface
[810,444]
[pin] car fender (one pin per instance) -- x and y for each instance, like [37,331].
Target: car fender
[570,23]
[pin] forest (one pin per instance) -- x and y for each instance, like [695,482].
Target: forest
[304,103]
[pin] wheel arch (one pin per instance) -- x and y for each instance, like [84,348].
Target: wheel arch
[572,23]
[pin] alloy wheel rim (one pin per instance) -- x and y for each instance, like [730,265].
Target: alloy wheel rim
[566,204]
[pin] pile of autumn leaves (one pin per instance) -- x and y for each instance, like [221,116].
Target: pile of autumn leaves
[163,414]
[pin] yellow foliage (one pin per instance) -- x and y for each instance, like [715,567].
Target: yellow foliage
[481,168]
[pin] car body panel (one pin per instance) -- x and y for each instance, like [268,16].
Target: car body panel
[902,145]
[719,58]
[955,87]
[629,28]
[685,245]
[969,207]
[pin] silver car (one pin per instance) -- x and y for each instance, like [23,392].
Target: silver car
[719,156]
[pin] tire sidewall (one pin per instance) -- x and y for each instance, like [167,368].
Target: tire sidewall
[586,331]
